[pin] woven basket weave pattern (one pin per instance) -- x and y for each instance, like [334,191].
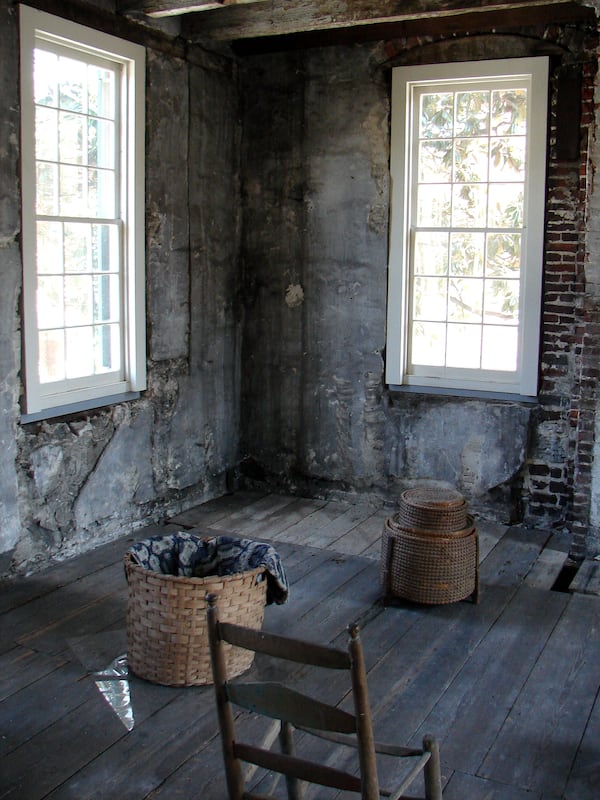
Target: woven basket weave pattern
[167,640]
[428,569]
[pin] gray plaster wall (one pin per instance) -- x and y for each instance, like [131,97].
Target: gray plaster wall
[316,414]
[69,484]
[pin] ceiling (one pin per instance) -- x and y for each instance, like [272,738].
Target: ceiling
[277,23]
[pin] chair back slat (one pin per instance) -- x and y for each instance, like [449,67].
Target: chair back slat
[270,644]
[298,767]
[280,702]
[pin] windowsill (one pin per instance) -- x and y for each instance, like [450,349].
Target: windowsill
[467,393]
[83,405]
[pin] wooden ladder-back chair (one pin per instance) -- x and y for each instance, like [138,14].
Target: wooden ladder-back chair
[294,710]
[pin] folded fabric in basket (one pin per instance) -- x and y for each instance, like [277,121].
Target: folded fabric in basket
[191,556]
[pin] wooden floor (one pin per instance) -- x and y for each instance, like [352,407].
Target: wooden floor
[509,686]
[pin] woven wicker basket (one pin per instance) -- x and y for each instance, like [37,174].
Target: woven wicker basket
[167,640]
[431,569]
[432,509]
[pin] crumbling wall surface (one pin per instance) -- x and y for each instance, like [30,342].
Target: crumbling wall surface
[10,278]
[273,214]
[315,197]
[85,479]
[317,415]
[477,446]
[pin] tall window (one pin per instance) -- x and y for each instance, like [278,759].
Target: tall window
[468,191]
[83,215]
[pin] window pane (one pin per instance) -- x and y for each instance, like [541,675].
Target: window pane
[503,254]
[101,91]
[499,348]
[434,205]
[464,346]
[428,345]
[472,113]
[46,188]
[465,299]
[107,353]
[78,300]
[469,205]
[101,193]
[106,298]
[467,251]
[45,78]
[507,159]
[105,248]
[73,201]
[431,253]
[101,143]
[78,247]
[49,252]
[502,302]
[50,302]
[509,112]
[506,205]
[70,127]
[80,352]
[470,160]
[435,161]
[437,115]
[51,356]
[46,134]
[429,298]
[72,93]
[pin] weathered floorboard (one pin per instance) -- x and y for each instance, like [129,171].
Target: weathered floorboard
[539,740]
[472,710]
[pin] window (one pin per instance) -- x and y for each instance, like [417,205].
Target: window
[82,100]
[467,226]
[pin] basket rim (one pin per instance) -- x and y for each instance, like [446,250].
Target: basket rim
[420,533]
[130,564]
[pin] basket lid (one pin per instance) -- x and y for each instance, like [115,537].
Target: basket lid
[433,498]
[432,509]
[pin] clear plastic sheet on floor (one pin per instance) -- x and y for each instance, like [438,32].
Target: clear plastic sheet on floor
[113,684]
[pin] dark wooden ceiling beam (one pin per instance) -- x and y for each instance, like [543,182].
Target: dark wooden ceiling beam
[463,24]
[276,18]
[173,8]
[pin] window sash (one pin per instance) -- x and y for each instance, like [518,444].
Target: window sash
[409,84]
[124,280]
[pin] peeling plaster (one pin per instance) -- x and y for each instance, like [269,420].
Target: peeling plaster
[294,295]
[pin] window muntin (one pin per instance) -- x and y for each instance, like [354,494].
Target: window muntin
[467,225]
[82,214]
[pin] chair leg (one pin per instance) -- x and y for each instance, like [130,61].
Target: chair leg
[432,772]
[295,788]
[233,769]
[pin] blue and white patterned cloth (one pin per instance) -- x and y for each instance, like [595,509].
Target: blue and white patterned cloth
[191,556]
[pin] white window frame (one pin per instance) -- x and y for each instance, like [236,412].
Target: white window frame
[52,399]
[525,380]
